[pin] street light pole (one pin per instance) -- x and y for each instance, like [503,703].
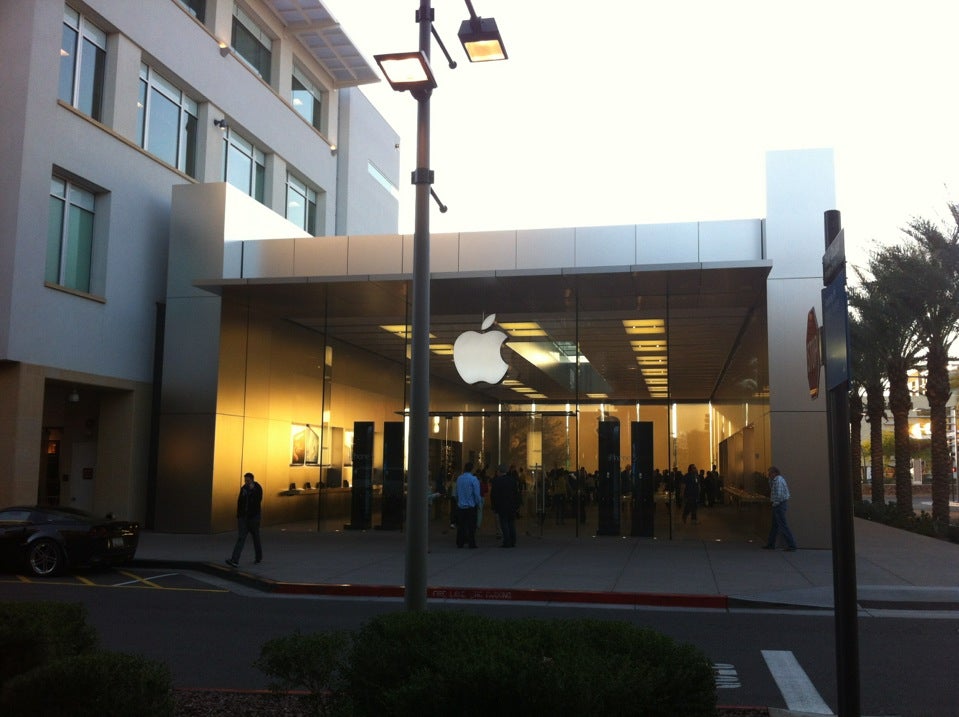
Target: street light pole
[416,492]
[411,71]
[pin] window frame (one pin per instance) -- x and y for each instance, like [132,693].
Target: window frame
[197,8]
[316,114]
[69,247]
[152,83]
[79,67]
[309,196]
[262,43]
[256,180]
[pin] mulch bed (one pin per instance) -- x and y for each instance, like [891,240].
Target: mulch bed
[228,703]
[214,703]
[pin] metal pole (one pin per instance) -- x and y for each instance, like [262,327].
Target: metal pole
[416,507]
[845,605]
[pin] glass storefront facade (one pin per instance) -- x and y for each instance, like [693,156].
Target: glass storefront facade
[303,366]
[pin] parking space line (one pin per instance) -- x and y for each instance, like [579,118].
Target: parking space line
[84,580]
[138,580]
[141,580]
[794,684]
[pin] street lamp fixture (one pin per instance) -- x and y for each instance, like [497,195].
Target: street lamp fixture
[410,71]
[407,71]
[481,39]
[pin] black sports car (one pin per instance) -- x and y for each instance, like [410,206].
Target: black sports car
[46,540]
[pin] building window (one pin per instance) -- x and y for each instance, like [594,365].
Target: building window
[307,99]
[251,43]
[83,56]
[166,121]
[300,204]
[382,179]
[244,166]
[197,8]
[70,236]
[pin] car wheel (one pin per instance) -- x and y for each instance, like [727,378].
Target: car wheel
[44,558]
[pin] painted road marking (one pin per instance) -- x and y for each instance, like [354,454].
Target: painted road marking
[796,687]
[136,579]
[726,676]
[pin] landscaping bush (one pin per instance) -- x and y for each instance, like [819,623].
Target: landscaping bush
[92,684]
[454,663]
[316,662]
[33,634]
[889,514]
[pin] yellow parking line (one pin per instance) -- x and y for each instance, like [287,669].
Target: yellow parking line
[84,580]
[143,581]
[23,578]
[139,579]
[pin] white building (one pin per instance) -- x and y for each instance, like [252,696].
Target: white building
[107,106]
[209,327]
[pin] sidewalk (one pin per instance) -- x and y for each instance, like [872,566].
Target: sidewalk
[896,570]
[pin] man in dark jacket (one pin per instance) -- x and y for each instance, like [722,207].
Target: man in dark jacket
[248,519]
[691,493]
[504,496]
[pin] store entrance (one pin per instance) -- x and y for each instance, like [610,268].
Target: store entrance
[601,471]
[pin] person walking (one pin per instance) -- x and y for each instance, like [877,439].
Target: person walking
[691,494]
[504,497]
[467,501]
[248,519]
[779,497]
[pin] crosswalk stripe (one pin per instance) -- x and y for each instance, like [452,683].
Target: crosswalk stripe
[794,684]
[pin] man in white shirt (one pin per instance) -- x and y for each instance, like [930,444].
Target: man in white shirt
[779,497]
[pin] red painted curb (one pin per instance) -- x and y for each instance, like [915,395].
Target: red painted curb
[717,602]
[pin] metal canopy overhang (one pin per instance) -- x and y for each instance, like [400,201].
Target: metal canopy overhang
[714,318]
[322,36]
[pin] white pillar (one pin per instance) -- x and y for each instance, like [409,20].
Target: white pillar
[800,187]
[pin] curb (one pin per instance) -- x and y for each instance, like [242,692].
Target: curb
[583,597]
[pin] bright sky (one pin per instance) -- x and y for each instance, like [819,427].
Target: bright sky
[663,111]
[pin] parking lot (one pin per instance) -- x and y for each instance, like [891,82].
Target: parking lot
[139,578]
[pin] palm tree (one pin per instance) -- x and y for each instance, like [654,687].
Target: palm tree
[937,287]
[887,298]
[868,346]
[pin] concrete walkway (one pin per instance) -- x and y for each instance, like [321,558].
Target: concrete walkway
[896,570]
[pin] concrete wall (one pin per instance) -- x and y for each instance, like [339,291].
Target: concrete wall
[800,188]
[634,245]
[196,351]
[363,205]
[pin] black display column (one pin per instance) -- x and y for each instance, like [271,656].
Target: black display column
[644,504]
[361,493]
[393,498]
[609,480]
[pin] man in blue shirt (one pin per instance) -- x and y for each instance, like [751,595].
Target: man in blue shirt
[779,497]
[468,498]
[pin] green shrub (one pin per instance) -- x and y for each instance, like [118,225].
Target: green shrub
[889,514]
[443,663]
[35,633]
[93,684]
[316,662]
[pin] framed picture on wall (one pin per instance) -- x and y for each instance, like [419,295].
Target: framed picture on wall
[304,445]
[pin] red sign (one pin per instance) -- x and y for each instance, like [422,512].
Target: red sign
[813,353]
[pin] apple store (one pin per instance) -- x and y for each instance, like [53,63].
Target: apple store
[625,351]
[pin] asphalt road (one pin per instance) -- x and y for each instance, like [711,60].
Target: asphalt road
[210,633]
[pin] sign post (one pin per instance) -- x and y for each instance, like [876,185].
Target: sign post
[836,349]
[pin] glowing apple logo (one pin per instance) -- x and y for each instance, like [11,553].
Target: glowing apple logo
[476,354]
